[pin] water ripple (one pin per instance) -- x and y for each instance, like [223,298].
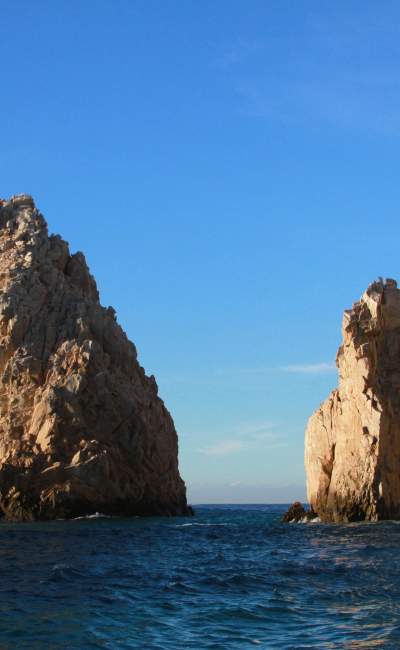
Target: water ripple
[233,577]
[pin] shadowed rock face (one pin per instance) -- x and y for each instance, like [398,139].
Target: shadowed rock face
[352,445]
[81,426]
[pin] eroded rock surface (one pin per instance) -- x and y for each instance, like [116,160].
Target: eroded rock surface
[81,426]
[352,444]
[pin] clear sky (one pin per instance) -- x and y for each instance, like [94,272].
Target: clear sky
[231,171]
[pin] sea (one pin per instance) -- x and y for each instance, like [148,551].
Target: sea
[229,577]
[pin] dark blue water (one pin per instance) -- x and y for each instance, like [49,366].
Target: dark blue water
[232,577]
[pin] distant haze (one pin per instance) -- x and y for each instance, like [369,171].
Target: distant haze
[237,493]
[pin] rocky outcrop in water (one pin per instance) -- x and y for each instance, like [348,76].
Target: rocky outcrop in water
[295,513]
[81,426]
[352,444]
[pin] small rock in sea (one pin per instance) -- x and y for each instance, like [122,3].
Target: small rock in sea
[297,512]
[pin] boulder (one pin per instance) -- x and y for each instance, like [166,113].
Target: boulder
[296,512]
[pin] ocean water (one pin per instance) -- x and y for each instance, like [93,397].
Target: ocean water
[231,577]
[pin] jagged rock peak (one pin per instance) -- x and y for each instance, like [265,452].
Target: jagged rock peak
[82,428]
[352,442]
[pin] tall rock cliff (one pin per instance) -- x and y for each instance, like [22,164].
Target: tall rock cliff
[81,426]
[352,444]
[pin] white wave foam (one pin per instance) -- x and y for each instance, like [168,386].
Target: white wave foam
[198,524]
[96,515]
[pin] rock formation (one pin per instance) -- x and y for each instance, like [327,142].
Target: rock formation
[81,426]
[296,513]
[352,445]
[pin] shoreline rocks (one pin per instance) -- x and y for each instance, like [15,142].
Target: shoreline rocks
[297,513]
[82,429]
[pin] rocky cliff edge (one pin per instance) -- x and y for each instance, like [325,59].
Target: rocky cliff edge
[352,442]
[82,429]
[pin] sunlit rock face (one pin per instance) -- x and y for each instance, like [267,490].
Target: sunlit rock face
[82,429]
[352,442]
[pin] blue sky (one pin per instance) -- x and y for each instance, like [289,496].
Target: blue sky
[230,170]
